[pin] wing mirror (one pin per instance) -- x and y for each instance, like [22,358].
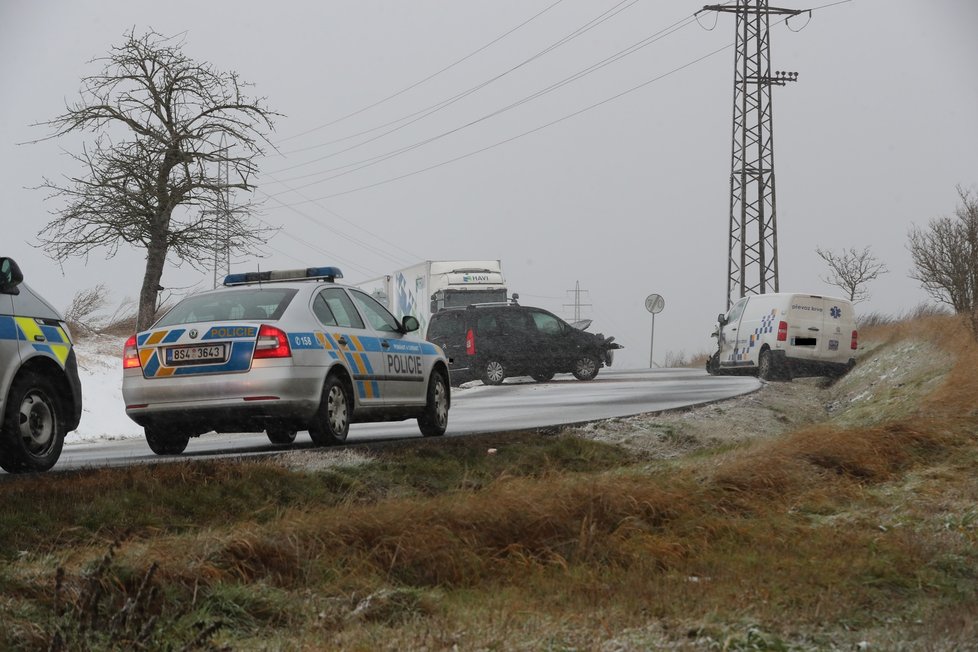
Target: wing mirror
[722,319]
[10,276]
[410,323]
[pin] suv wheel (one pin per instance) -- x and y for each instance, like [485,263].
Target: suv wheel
[32,431]
[165,441]
[493,372]
[586,367]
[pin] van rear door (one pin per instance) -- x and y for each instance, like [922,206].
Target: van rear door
[806,314]
[838,322]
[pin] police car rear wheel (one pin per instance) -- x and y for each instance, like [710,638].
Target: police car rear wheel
[332,422]
[33,431]
[280,436]
[434,421]
[165,441]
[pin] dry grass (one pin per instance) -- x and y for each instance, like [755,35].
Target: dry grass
[817,539]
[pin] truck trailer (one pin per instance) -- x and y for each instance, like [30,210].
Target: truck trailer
[427,287]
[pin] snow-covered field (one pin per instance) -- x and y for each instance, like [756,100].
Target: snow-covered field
[103,410]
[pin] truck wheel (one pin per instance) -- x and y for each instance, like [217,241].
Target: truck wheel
[280,436]
[332,422]
[165,441]
[493,372]
[32,432]
[586,367]
[434,421]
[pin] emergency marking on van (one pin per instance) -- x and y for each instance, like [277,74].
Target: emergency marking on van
[836,312]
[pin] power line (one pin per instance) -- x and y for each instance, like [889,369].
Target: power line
[621,54]
[428,78]
[520,135]
[438,106]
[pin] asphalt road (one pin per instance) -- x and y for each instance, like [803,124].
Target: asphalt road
[514,405]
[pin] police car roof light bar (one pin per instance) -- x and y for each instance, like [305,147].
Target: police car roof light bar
[328,274]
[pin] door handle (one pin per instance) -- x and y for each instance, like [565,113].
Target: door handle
[812,328]
[39,338]
[385,344]
[342,340]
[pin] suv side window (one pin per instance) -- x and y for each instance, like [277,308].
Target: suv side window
[546,323]
[513,322]
[448,324]
[336,309]
[379,317]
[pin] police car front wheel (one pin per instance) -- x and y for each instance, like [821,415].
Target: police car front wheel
[434,421]
[33,430]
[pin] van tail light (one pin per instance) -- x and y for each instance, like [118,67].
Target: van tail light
[130,354]
[782,331]
[470,343]
[855,340]
[272,343]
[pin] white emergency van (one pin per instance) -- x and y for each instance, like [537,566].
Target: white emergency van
[783,335]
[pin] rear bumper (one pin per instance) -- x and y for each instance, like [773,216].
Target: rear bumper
[266,395]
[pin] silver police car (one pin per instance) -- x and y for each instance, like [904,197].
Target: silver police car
[279,352]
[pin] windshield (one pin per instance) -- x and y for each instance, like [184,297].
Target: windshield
[246,304]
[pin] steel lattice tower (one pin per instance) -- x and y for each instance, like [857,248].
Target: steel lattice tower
[752,266]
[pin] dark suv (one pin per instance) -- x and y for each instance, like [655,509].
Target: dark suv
[494,341]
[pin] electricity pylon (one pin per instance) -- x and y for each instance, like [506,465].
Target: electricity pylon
[752,265]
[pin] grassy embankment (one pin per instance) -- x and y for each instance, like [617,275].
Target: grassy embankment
[818,539]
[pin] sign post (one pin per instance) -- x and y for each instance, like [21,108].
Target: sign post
[654,303]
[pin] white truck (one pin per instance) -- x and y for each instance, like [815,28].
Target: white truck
[783,335]
[433,285]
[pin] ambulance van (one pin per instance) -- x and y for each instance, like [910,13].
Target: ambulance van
[782,335]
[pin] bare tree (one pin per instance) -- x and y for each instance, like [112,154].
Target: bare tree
[165,126]
[82,314]
[852,270]
[945,257]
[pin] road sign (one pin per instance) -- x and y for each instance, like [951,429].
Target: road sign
[654,303]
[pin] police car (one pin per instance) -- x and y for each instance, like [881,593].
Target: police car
[280,352]
[40,393]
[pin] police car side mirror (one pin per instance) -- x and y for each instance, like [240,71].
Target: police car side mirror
[410,323]
[10,276]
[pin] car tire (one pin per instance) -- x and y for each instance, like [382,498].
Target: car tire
[713,365]
[586,367]
[280,436]
[332,421]
[165,441]
[434,421]
[543,378]
[493,372]
[32,432]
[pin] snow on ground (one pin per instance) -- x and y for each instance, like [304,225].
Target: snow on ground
[103,410]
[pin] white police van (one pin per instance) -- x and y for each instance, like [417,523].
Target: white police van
[783,335]
[40,393]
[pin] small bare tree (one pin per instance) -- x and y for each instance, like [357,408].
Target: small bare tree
[852,270]
[82,314]
[166,126]
[945,257]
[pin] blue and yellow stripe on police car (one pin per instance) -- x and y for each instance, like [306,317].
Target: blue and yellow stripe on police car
[45,338]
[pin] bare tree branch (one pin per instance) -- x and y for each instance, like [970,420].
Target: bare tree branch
[176,124]
[852,270]
[945,257]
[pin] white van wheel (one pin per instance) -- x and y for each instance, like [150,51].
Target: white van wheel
[769,368]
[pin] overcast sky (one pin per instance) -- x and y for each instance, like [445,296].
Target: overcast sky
[629,197]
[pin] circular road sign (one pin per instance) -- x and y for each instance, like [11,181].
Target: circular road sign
[654,303]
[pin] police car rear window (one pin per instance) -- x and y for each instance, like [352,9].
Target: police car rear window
[251,304]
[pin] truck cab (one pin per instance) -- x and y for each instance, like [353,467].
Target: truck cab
[40,392]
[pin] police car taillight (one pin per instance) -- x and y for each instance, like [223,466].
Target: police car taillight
[272,343]
[855,340]
[130,355]
[470,343]
[782,331]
